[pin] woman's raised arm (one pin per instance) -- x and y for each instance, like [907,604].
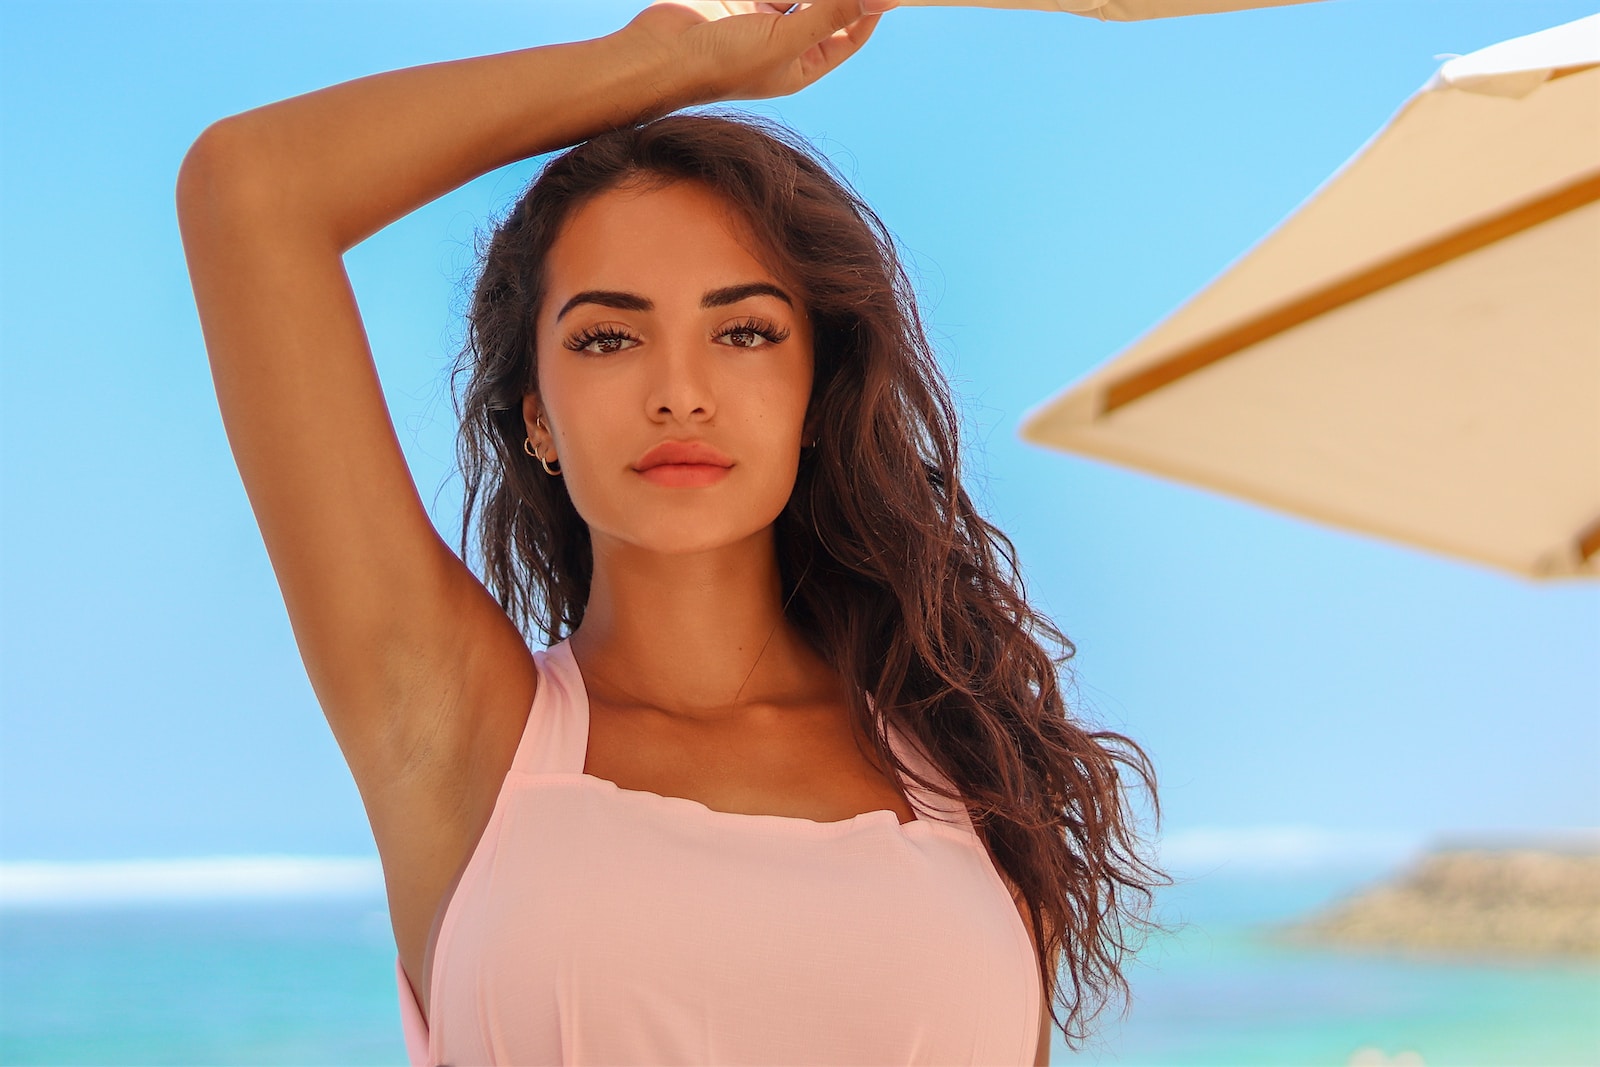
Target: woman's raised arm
[421,675]
[385,615]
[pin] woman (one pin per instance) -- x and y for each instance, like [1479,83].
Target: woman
[709,457]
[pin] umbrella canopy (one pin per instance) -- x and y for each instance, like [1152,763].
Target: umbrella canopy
[1414,352]
[1116,10]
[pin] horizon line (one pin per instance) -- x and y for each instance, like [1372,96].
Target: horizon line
[1263,849]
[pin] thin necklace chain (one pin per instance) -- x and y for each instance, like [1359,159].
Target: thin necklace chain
[781,612]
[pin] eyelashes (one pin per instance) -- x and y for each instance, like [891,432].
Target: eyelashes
[609,335]
[760,327]
[611,338]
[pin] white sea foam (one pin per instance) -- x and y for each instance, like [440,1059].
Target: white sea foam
[69,884]
[1299,848]
[1249,849]
[1286,848]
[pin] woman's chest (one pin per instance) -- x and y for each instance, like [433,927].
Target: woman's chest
[805,764]
[813,770]
[644,929]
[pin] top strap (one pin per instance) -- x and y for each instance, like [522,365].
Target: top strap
[553,741]
[951,812]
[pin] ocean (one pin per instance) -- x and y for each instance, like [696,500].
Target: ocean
[308,979]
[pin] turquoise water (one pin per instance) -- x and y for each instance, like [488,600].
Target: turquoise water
[243,983]
[312,983]
[1220,993]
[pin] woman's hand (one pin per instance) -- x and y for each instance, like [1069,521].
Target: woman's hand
[752,51]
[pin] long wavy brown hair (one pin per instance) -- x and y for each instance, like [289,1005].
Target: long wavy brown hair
[888,569]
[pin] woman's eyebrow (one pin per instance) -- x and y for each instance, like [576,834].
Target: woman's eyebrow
[611,298]
[625,301]
[735,293]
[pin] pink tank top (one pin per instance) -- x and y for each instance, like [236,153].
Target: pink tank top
[600,925]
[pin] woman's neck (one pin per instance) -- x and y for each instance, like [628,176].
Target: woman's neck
[697,636]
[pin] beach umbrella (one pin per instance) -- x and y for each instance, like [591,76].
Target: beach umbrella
[1415,351]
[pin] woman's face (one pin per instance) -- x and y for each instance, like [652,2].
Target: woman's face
[661,324]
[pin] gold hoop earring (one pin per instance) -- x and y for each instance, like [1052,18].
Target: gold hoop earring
[527,446]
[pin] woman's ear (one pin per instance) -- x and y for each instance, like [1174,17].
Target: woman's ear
[808,429]
[532,413]
[537,427]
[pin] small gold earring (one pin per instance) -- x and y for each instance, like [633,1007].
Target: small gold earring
[527,446]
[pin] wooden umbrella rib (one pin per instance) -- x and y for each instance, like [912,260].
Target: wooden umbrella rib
[1396,269]
[1562,72]
[1589,542]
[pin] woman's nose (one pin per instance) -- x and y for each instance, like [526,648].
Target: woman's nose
[681,382]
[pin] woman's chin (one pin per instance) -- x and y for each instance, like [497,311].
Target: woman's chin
[689,535]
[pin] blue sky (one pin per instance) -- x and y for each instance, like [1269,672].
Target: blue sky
[1059,185]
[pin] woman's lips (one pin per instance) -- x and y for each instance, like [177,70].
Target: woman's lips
[684,475]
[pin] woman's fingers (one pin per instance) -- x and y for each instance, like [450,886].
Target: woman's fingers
[829,31]
[711,10]
[816,22]
[834,49]
[749,51]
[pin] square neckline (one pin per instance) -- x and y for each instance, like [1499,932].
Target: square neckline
[686,805]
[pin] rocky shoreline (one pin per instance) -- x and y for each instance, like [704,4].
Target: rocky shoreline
[1497,899]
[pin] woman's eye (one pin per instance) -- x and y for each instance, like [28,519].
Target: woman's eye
[601,342]
[753,334]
